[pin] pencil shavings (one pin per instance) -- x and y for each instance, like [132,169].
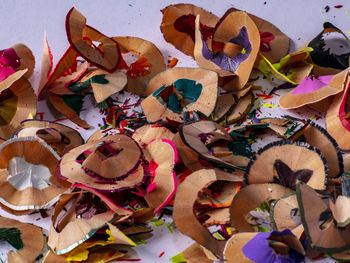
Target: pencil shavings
[26,59]
[318,137]
[189,157]
[69,82]
[178,26]
[285,213]
[110,199]
[224,104]
[247,200]
[337,123]
[340,210]
[286,127]
[331,48]
[241,109]
[104,84]
[177,90]
[10,62]
[60,137]
[292,68]
[16,58]
[211,142]
[194,253]
[284,163]
[161,155]
[163,186]
[103,254]
[77,217]
[67,64]
[29,242]
[263,247]
[81,37]
[148,133]
[146,62]
[63,94]
[341,256]
[106,240]
[186,196]
[18,102]
[112,237]
[93,164]
[239,41]
[46,67]
[212,207]
[218,195]
[64,104]
[314,89]
[221,153]
[28,168]
[322,231]
[96,228]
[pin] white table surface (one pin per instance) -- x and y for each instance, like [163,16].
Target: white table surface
[26,21]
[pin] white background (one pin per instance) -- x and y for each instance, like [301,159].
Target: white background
[26,21]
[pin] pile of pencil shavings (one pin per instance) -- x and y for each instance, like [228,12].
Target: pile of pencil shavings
[245,188]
